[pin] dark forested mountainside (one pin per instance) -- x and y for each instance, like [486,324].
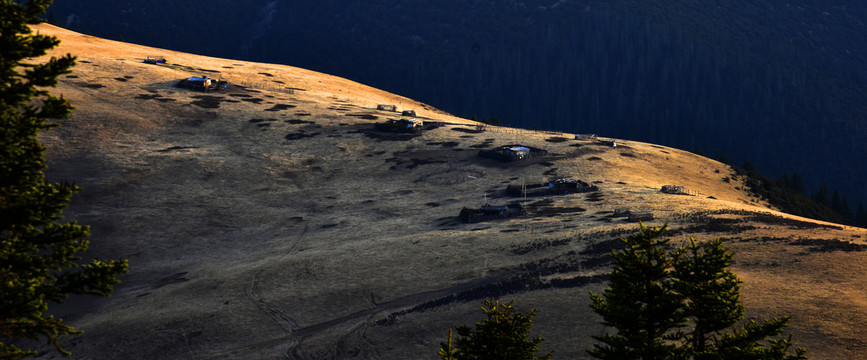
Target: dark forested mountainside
[781,84]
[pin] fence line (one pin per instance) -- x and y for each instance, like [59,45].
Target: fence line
[259,85]
[519,131]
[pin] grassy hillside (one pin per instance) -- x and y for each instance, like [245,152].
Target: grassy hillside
[780,85]
[273,220]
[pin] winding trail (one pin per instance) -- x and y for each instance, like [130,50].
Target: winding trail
[282,319]
[296,335]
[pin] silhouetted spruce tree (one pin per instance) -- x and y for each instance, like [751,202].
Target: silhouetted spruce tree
[840,205]
[52,19]
[640,303]
[796,183]
[680,304]
[822,195]
[505,334]
[711,293]
[861,215]
[39,254]
[749,168]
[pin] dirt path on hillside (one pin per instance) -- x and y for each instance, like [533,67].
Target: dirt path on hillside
[291,344]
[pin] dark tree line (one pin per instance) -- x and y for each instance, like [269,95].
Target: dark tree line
[789,194]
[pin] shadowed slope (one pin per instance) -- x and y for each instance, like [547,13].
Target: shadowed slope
[270,220]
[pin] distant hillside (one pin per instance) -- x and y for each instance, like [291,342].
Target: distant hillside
[283,218]
[783,85]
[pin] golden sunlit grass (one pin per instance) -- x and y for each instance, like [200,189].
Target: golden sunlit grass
[269,222]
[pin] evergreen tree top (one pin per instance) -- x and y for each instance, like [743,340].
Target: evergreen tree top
[40,259]
[681,303]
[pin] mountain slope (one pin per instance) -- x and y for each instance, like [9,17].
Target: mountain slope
[782,85]
[270,220]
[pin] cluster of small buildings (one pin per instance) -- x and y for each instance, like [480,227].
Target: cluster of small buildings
[409,124]
[512,152]
[154,60]
[517,152]
[634,215]
[565,186]
[403,125]
[676,190]
[393,108]
[610,143]
[491,212]
[593,137]
[198,83]
[202,83]
[562,186]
